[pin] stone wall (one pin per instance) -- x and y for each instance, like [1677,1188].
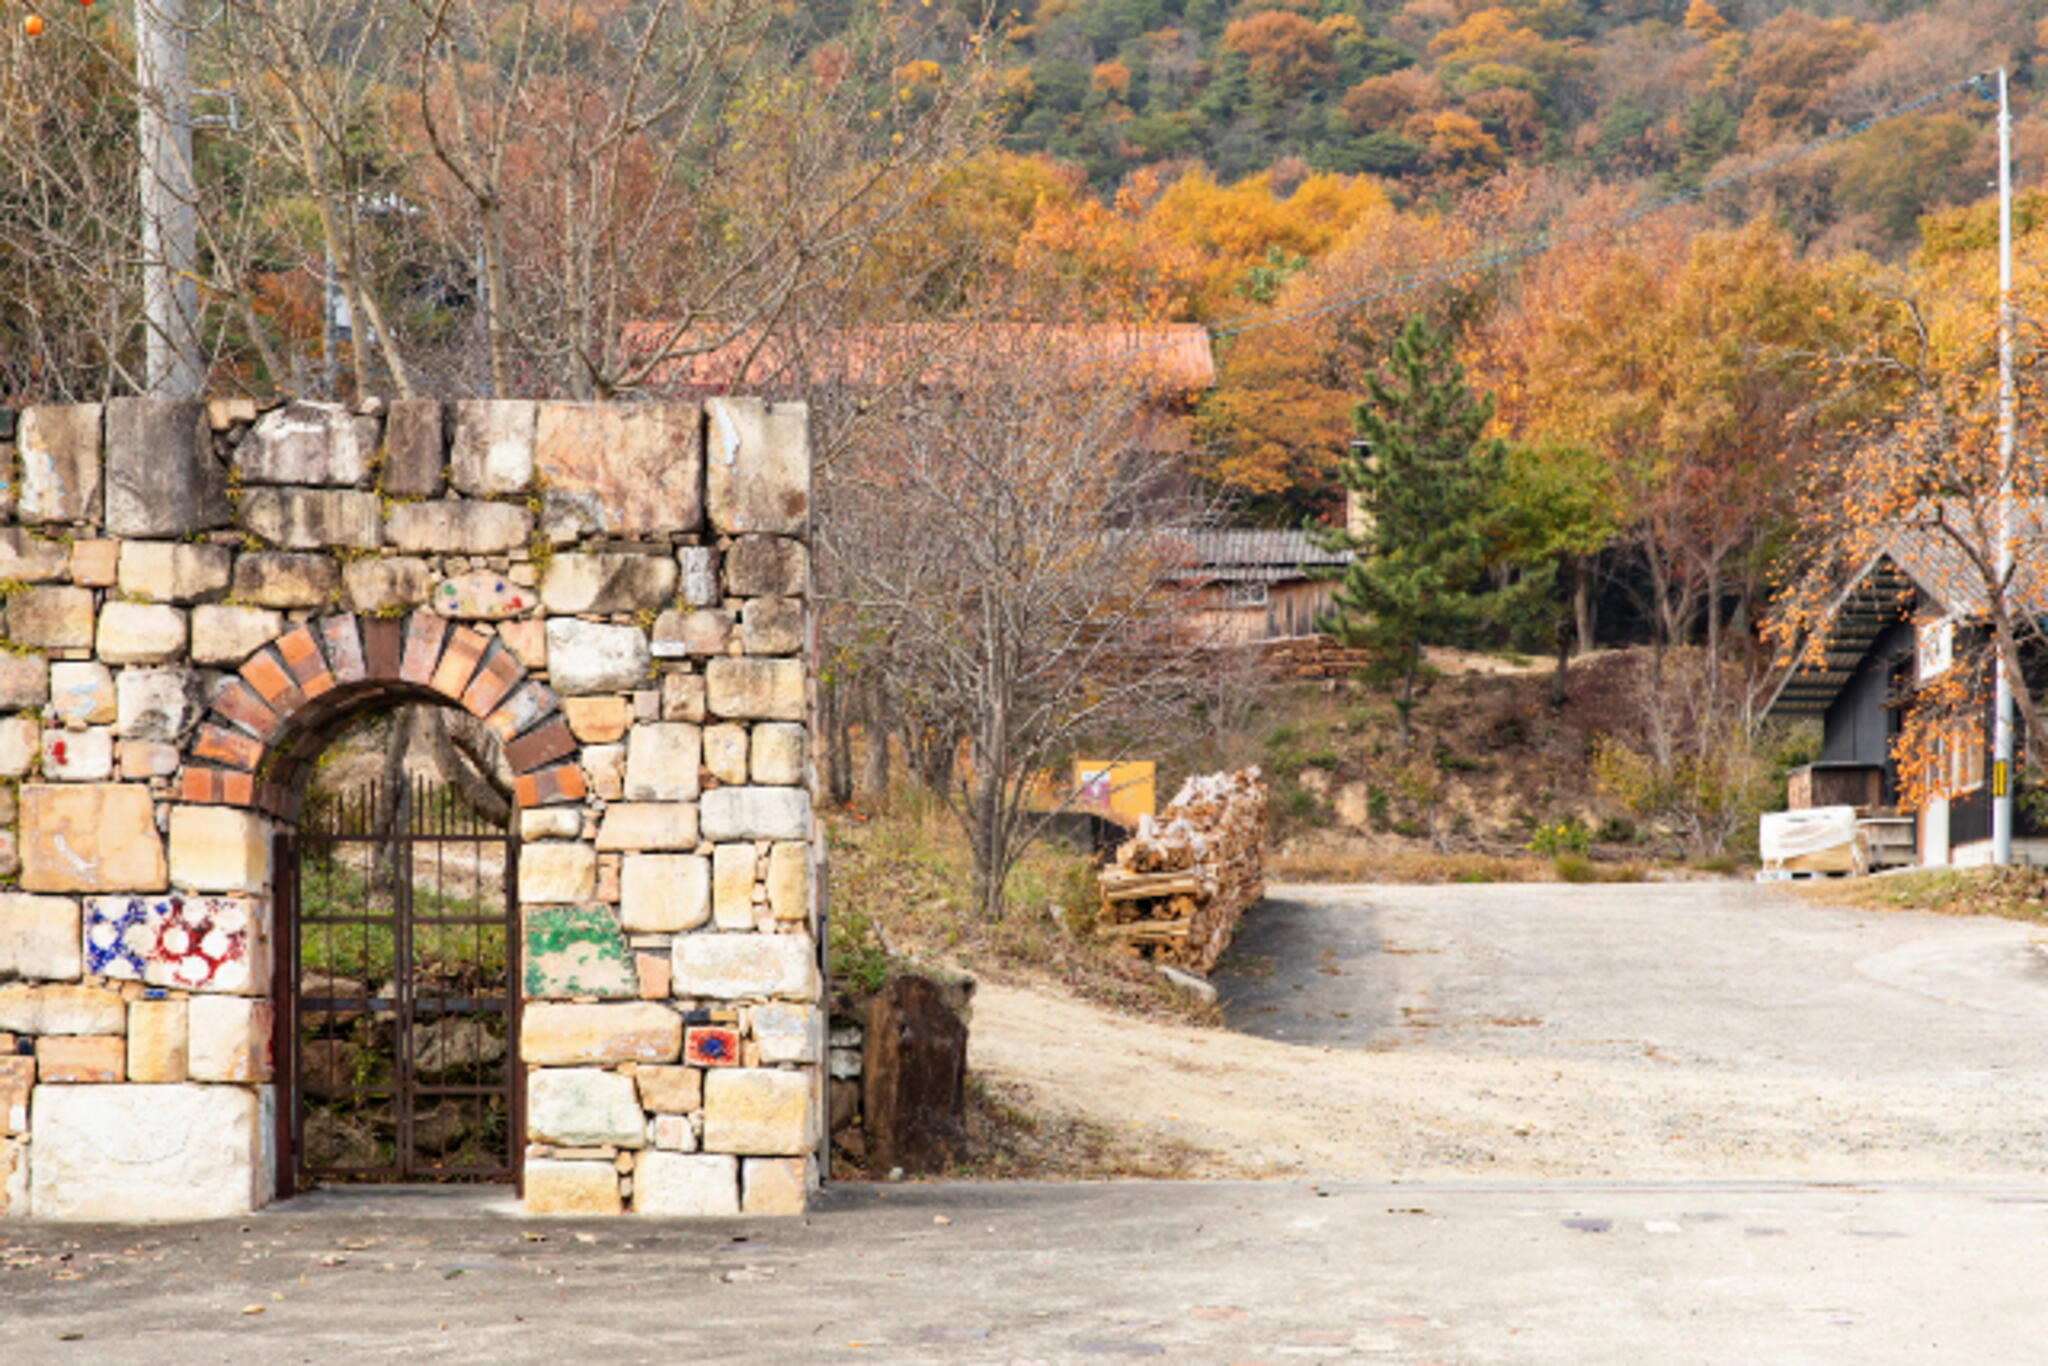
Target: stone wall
[199,596]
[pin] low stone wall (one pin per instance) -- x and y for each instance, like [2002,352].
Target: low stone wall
[200,596]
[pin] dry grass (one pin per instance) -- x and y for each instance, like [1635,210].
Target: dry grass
[1329,865]
[2010,893]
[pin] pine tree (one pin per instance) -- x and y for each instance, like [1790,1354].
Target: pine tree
[1427,482]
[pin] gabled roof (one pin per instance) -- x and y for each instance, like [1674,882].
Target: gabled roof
[1256,556]
[1879,598]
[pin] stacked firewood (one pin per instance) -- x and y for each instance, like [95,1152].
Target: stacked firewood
[1313,657]
[1178,887]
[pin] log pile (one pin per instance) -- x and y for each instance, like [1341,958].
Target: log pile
[1313,657]
[1178,887]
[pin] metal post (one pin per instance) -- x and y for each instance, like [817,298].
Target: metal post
[2002,706]
[170,292]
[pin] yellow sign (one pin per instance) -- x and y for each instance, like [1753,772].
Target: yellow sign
[1123,792]
[1998,778]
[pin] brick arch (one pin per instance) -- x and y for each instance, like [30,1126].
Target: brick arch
[272,716]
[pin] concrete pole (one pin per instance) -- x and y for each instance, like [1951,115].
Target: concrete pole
[2002,706]
[170,292]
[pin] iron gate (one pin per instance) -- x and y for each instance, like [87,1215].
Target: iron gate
[399,1005]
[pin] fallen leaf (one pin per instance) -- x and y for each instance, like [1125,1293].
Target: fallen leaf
[254,1308]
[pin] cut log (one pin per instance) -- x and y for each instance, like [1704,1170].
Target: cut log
[1180,886]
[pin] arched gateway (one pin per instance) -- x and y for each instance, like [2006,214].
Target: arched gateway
[199,599]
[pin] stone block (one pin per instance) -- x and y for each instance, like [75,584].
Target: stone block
[663,893]
[587,657]
[314,519]
[483,595]
[305,442]
[648,825]
[699,631]
[778,757]
[607,583]
[57,1008]
[756,813]
[81,693]
[527,640]
[287,579]
[785,1033]
[682,697]
[755,689]
[550,823]
[414,453]
[219,849]
[774,1185]
[24,680]
[557,871]
[662,758]
[193,943]
[772,626]
[39,937]
[141,759]
[757,468]
[576,951]
[571,1188]
[554,1034]
[95,564]
[711,1046]
[175,571]
[672,1134]
[135,1152]
[163,478]
[141,633]
[735,967]
[598,720]
[87,1059]
[789,881]
[583,1107]
[450,527]
[732,886]
[604,769]
[156,704]
[25,558]
[686,1186]
[51,617]
[385,585]
[670,1090]
[698,578]
[492,452]
[17,1080]
[21,745]
[725,752]
[655,972]
[229,635]
[620,470]
[90,838]
[757,1111]
[229,1038]
[79,756]
[767,567]
[157,1039]
[59,449]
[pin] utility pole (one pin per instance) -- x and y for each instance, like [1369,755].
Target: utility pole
[170,254]
[2002,705]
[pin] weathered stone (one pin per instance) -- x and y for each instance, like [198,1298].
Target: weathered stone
[493,448]
[21,745]
[229,1038]
[576,951]
[95,563]
[448,527]
[587,657]
[287,579]
[698,578]
[725,752]
[90,838]
[162,476]
[220,849]
[661,762]
[732,886]
[583,1107]
[553,1034]
[229,635]
[655,971]
[17,1081]
[700,631]
[785,1033]
[598,720]
[60,1009]
[79,756]
[571,1188]
[756,813]
[731,967]
[604,769]
[914,1077]
[137,1152]
[141,633]
[774,1185]
[663,893]
[81,693]
[672,1134]
[24,680]
[156,704]
[414,456]
[224,414]
[384,585]
[175,571]
[754,1110]
[28,559]
[157,1036]
[607,583]
[669,1090]
[59,447]
[772,626]
[147,759]
[308,443]
[778,754]
[88,1060]
[192,943]
[527,640]
[682,697]
[39,937]
[50,616]
[620,470]
[789,881]
[686,1186]
[10,853]
[557,871]
[755,689]
[757,470]
[550,823]
[648,825]
[767,567]
[482,596]
[314,519]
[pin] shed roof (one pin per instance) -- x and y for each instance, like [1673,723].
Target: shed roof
[1256,556]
